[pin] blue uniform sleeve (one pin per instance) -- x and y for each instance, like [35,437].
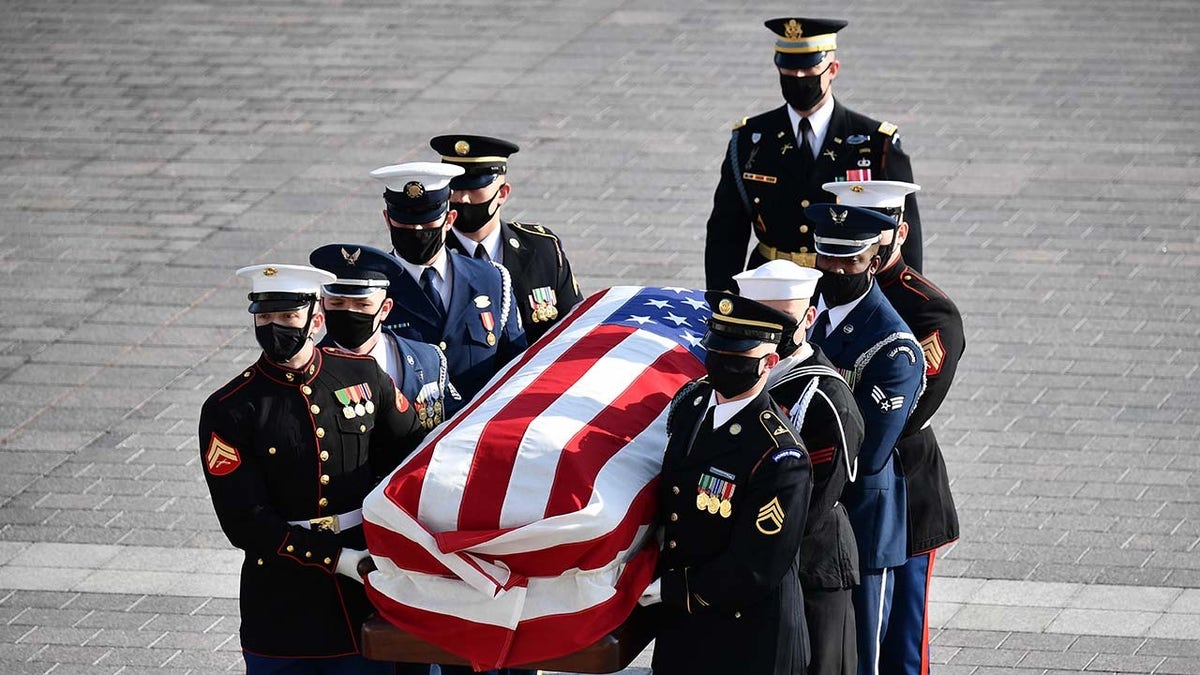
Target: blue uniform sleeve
[886,393]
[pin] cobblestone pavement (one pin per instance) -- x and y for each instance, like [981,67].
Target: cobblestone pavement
[150,147]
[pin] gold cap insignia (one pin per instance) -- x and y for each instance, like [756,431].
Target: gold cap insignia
[838,218]
[792,29]
[413,189]
[351,258]
[462,148]
[269,272]
[856,188]
[725,306]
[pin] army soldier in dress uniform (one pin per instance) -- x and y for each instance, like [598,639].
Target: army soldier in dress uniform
[870,344]
[354,309]
[734,495]
[932,519]
[776,162]
[290,447]
[542,280]
[822,407]
[463,305]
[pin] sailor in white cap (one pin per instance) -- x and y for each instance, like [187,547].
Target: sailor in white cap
[823,409]
[932,518]
[289,449]
[463,305]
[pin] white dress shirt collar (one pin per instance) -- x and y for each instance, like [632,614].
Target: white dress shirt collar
[819,121]
[723,412]
[839,313]
[491,243]
[441,280]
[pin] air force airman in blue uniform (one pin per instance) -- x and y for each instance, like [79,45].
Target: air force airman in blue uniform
[463,305]
[870,344]
[355,306]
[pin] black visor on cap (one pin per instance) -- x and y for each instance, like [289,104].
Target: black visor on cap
[261,303]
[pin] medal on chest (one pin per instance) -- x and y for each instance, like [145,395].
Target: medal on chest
[714,492]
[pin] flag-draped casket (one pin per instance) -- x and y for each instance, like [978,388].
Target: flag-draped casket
[520,530]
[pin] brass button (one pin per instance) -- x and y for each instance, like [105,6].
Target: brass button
[757,200]
[270,451]
[308,554]
[804,203]
[324,455]
[290,548]
[246,374]
[737,615]
[324,479]
[804,249]
[671,544]
[316,409]
[442,345]
[362,427]
[312,369]
[289,376]
[803,229]
[674,517]
[308,390]
[675,490]
[908,277]
[320,432]
[329,561]
[260,562]
[322,502]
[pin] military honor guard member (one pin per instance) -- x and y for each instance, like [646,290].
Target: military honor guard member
[463,305]
[932,518]
[354,308]
[733,499]
[777,161]
[290,447]
[870,344]
[822,408]
[542,280]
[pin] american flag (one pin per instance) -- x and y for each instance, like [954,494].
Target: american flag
[520,530]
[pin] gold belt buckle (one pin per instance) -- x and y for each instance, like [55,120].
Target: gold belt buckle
[325,524]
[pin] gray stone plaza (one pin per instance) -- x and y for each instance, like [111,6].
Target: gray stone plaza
[150,147]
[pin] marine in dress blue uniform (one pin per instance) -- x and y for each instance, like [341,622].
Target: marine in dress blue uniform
[733,501]
[881,360]
[355,306]
[822,409]
[544,286]
[289,448]
[932,518]
[464,306]
[777,161]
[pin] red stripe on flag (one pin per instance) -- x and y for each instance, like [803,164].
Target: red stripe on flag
[623,420]
[487,480]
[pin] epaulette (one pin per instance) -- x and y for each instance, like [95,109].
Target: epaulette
[741,124]
[887,128]
[534,228]
[908,276]
[243,378]
[778,430]
[341,353]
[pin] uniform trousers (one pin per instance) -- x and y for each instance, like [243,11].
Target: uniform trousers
[906,644]
[872,606]
[830,617]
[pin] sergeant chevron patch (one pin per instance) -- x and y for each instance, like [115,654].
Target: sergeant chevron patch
[770,518]
[221,458]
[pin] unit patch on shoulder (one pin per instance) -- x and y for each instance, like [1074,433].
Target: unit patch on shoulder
[784,454]
[770,518]
[935,353]
[221,457]
[401,402]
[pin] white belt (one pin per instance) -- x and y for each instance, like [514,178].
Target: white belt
[335,523]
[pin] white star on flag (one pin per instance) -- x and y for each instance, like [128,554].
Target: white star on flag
[691,339]
[677,320]
[695,303]
[676,289]
[640,320]
[661,304]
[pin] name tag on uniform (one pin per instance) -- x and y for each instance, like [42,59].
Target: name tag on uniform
[760,178]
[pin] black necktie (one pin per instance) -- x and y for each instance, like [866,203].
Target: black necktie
[806,151]
[481,252]
[431,290]
[819,329]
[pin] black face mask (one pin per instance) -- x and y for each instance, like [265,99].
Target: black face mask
[281,343]
[732,374]
[418,246]
[802,92]
[471,217]
[840,289]
[348,328]
[787,344]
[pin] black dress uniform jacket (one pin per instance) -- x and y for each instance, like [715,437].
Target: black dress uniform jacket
[937,324]
[277,445]
[763,186]
[534,257]
[731,594]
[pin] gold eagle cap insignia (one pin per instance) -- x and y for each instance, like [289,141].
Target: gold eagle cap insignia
[269,272]
[413,189]
[351,258]
[462,148]
[792,29]
[838,218]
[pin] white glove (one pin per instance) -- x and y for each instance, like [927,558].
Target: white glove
[347,564]
[652,594]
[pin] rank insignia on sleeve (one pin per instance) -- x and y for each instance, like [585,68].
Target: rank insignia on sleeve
[770,518]
[935,353]
[221,458]
[886,403]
